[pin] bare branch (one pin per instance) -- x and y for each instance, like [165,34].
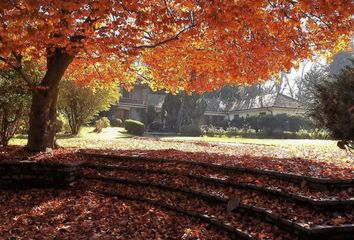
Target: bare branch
[19,71]
[174,38]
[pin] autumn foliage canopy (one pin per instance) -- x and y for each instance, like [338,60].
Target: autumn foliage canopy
[178,45]
[191,45]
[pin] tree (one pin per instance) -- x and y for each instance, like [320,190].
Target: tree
[333,106]
[183,109]
[187,45]
[14,103]
[226,93]
[312,78]
[170,110]
[80,103]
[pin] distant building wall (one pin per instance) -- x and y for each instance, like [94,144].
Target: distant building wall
[266,111]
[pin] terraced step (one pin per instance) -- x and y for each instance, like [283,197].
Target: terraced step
[241,223]
[266,215]
[273,202]
[315,203]
[273,210]
[312,182]
[210,219]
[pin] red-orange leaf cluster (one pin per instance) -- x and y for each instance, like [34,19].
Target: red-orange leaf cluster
[186,45]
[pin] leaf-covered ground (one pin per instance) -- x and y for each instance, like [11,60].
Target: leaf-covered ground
[116,138]
[80,212]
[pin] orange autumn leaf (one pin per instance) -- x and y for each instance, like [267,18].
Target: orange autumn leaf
[185,45]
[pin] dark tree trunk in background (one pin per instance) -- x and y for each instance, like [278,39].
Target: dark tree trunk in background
[43,113]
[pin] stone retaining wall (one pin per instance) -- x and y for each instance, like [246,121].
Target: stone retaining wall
[23,174]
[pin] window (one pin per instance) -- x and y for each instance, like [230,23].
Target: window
[262,113]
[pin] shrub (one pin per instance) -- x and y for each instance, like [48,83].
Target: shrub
[101,123]
[276,124]
[212,131]
[116,122]
[238,122]
[192,130]
[220,132]
[249,133]
[232,132]
[62,124]
[14,105]
[134,127]
[313,134]
[224,124]
[333,106]
[252,122]
[81,103]
[295,123]
[156,126]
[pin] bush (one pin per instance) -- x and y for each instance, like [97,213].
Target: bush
[81,103]
[212,131]
[62,124]
[116,122]
[295,123]
[232,132]
[333,106]
[101,123]
[267,133]
[209,131]
[249,133]
[192,130]
[237,122]
[224,124]
[275,124]
[14,105]
[314,134]
[134,127]
[156,126]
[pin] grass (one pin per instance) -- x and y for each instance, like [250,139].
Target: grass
[114,133]
[257,141]
[117,138]
[86,135]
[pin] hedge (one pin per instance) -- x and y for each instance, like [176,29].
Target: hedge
[134,127]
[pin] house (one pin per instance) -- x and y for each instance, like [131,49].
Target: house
[134,104]
[268,104]
[215,113]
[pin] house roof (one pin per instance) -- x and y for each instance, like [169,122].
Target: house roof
[218,106]
[261,101]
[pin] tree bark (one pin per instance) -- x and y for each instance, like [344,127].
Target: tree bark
[43,113]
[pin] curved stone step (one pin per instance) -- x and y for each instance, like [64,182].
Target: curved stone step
[316,204]
[312,182]
[342,232]
[213,221]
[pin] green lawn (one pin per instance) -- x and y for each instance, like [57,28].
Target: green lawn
[86,134]
[114,133]
[271,142]
[117,138]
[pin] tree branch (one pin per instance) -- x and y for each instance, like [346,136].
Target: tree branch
[173,38]
[19,71]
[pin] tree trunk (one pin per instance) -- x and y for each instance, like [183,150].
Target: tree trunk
[43,113]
